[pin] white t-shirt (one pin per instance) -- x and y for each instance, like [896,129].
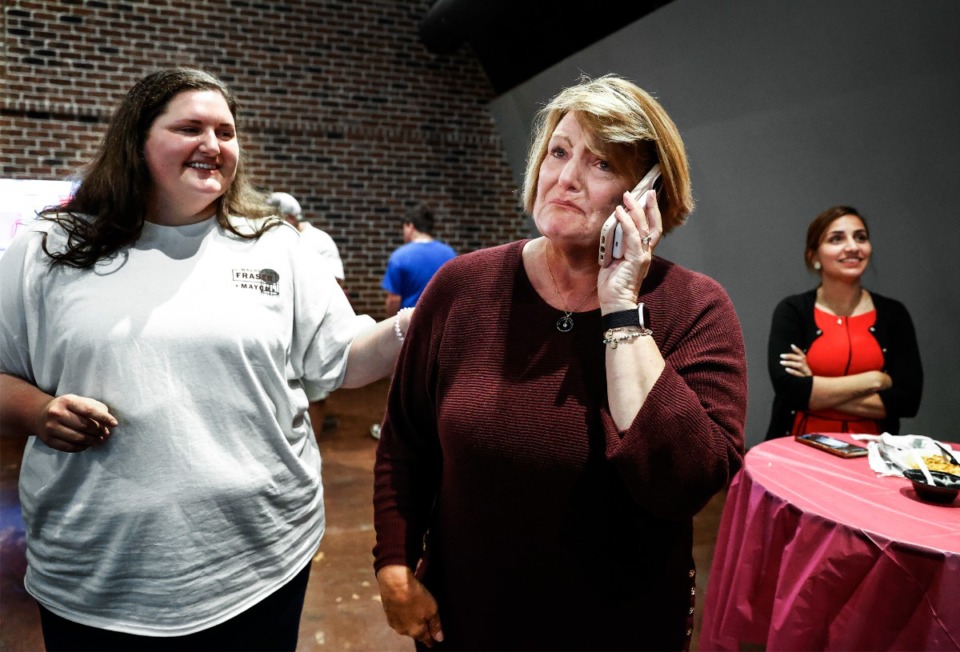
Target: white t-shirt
[206,348]
[324,244]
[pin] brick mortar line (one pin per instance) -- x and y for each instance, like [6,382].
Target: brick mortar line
[67,111]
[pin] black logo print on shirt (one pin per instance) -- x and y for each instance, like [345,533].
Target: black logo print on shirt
[264,281]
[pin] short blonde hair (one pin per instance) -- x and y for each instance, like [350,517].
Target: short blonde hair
[625,124]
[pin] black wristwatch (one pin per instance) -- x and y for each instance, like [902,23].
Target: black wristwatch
[638,317]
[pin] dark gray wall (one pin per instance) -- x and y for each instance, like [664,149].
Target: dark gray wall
[788,108]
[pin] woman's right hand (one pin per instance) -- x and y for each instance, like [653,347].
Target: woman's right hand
[795,362]
[618,285]
[410,608]
[72,423]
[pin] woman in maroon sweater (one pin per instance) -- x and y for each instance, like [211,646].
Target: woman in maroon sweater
[554,425]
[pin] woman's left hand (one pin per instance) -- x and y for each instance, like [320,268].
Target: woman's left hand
[618,285]
[410,607]
[795,362]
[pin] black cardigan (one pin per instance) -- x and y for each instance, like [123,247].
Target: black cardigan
[793,323]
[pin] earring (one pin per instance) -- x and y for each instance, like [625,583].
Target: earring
[816,265]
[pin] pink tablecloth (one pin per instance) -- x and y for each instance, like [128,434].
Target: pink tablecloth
[815,552]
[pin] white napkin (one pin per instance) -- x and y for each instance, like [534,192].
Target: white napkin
[892,454]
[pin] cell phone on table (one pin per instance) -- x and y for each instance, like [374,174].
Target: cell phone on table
[832,445]
[611,234]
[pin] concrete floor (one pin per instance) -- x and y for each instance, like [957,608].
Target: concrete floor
[342,609]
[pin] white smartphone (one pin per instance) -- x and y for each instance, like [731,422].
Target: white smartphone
[611,234]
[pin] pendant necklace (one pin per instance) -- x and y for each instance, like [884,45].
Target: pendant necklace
[565,323]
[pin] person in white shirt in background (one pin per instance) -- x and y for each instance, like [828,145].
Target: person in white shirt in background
[289,209]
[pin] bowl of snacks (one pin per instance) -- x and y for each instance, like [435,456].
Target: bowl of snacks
[944,489]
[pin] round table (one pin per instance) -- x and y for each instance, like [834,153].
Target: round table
[816,552]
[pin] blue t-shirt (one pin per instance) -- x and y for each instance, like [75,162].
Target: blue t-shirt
[411,267]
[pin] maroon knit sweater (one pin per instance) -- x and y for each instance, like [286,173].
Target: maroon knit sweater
[548,527]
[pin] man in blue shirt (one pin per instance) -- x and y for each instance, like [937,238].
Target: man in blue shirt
[412,265]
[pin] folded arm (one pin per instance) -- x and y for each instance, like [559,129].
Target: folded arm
[842,392]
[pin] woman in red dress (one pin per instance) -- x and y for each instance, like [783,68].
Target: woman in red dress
[841,358]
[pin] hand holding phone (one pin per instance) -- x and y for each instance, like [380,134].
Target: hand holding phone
[611,234]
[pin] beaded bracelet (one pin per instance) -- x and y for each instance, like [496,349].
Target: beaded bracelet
[614,336]
[396,323]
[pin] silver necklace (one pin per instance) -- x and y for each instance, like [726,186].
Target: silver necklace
[565,323]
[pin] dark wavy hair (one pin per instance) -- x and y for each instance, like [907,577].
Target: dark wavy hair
[108,209]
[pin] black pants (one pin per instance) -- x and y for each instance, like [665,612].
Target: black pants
[270,625]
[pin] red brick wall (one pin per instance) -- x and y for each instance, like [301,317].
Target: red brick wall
[340,105]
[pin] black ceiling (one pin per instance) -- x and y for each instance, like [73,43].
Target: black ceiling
[516,39]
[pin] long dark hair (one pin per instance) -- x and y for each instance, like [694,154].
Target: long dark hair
[108,209]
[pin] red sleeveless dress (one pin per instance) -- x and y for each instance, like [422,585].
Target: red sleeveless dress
[847,346]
